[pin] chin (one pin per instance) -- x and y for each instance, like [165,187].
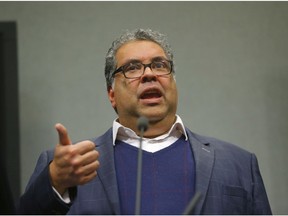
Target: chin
[156,113]
[154,116]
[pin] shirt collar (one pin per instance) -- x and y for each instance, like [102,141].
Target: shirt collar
[119,131]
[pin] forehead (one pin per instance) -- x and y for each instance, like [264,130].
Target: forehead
[140,50]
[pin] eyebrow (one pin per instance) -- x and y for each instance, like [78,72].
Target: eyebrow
[157,58]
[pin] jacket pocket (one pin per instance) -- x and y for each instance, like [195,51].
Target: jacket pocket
[234,200]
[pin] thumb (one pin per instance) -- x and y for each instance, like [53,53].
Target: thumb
[63,134]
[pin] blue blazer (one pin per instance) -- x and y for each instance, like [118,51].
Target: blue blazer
[227,177]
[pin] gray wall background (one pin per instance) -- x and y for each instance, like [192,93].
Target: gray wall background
[231,62]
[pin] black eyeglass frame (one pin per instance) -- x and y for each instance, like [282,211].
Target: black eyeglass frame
[120,69]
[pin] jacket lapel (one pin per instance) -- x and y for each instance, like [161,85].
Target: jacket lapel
[204,160]
[107,173]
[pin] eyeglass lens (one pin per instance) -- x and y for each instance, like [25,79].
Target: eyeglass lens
[136,69]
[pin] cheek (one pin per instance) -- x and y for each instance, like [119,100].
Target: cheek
[124,93]
[172,92]
[173,96]
[170,86]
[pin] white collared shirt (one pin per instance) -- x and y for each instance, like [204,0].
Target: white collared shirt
[149,144]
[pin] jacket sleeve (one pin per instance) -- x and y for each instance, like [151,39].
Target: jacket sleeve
[260,205]
[39,197]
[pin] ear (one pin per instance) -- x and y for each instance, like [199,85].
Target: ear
[111,96]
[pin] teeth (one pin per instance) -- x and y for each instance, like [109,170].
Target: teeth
[151,94]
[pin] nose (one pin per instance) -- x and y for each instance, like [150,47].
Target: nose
[148,75]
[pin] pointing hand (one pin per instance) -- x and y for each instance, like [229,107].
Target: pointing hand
[74,164]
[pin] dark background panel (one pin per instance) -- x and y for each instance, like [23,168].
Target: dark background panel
[9,117]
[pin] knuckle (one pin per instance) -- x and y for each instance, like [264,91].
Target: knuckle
[71,151]
[97,163]
[92,145]
[75,163]
[78,172]
[89,144]
[97,154]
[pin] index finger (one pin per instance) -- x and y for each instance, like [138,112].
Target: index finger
[84,147]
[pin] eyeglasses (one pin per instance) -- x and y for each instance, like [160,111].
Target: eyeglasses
[133,70]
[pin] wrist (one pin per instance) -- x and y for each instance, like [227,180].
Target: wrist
[53,180]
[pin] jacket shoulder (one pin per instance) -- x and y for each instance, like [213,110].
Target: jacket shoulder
[219,145]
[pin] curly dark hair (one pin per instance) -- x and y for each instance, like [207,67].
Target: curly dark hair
[138,34]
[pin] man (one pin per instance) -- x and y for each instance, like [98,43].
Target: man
[98,176]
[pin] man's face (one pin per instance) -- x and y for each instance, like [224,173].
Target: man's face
[154,97]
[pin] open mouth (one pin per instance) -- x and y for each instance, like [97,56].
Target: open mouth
[150,94]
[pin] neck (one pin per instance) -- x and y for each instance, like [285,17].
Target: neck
[155,128]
